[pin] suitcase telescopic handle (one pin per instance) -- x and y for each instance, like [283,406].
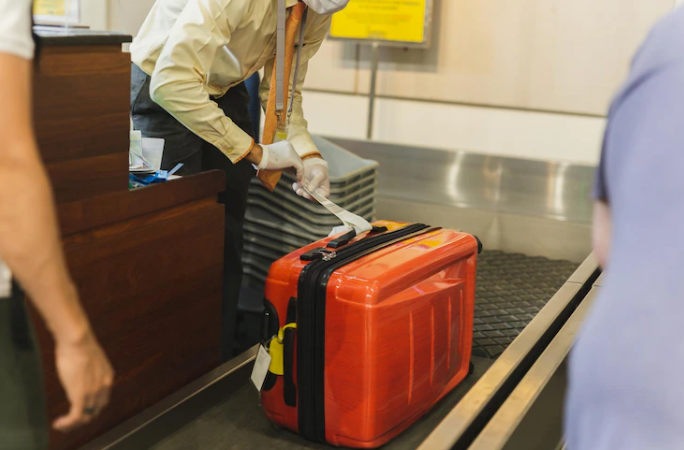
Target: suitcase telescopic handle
[346,238]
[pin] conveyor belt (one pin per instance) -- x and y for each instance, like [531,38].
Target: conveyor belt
[238,423]
[511,289]
[221,410]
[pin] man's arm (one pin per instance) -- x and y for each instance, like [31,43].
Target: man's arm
[177,84]
[30,245]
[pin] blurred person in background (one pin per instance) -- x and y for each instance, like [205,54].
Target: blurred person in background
[30,250]
[626,390]
[190,61]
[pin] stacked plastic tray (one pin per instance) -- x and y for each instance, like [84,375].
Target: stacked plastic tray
[280,222]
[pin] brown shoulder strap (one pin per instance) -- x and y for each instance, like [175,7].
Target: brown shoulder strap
[270,178]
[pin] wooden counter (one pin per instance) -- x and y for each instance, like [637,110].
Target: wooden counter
[81,115]
[148,262]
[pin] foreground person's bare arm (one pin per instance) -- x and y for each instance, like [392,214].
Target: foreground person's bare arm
[30,245]
[602,232]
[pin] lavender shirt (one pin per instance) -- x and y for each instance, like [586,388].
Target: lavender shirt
[627,368]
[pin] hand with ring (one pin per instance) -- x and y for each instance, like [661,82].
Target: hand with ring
[87,377]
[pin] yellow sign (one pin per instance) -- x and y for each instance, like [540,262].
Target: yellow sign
[56,11]
[401,21]
[49,7]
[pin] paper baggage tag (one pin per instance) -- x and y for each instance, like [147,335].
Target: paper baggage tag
[261,365]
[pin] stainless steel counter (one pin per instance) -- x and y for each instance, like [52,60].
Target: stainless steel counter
[553,190]
[518,206]
[55,35]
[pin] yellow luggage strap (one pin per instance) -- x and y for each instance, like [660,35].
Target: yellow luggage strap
[276,351]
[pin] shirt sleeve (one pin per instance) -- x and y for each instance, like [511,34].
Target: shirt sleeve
[178,81]
[298,134]
[15,28]
[640,169]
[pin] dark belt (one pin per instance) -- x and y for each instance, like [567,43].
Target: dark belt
[19,320]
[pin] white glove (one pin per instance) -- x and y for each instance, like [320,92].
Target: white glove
[339,230]
[281,156]
[316,179]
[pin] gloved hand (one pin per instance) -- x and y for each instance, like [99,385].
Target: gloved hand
[281,156]
[316,179]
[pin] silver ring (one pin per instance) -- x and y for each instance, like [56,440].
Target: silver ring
[89,411]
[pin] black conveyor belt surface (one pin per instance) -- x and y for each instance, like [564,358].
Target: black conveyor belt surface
[238,423]
[511,289]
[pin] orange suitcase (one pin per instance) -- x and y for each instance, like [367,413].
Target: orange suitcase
[366,336]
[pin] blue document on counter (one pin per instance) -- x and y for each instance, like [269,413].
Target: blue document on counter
[159,176]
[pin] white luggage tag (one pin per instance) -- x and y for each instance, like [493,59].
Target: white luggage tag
[351,220]
[260,370]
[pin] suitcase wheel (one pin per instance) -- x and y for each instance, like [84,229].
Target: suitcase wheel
[471,369]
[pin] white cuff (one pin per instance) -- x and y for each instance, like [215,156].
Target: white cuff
[264,158]
[315,161]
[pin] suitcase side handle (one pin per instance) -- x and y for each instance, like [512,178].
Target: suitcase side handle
[289,388]
[346,238]
[270,322]
[269,328]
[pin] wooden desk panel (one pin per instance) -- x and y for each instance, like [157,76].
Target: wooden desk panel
[94,134]
[148,263]
[111,208]
[151,284]
[81,114]
[84,177]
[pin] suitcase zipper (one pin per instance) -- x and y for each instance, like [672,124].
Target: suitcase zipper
[312,287]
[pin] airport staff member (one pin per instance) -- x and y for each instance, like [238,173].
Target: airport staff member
[30,249]
[191,58]
[626,389]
